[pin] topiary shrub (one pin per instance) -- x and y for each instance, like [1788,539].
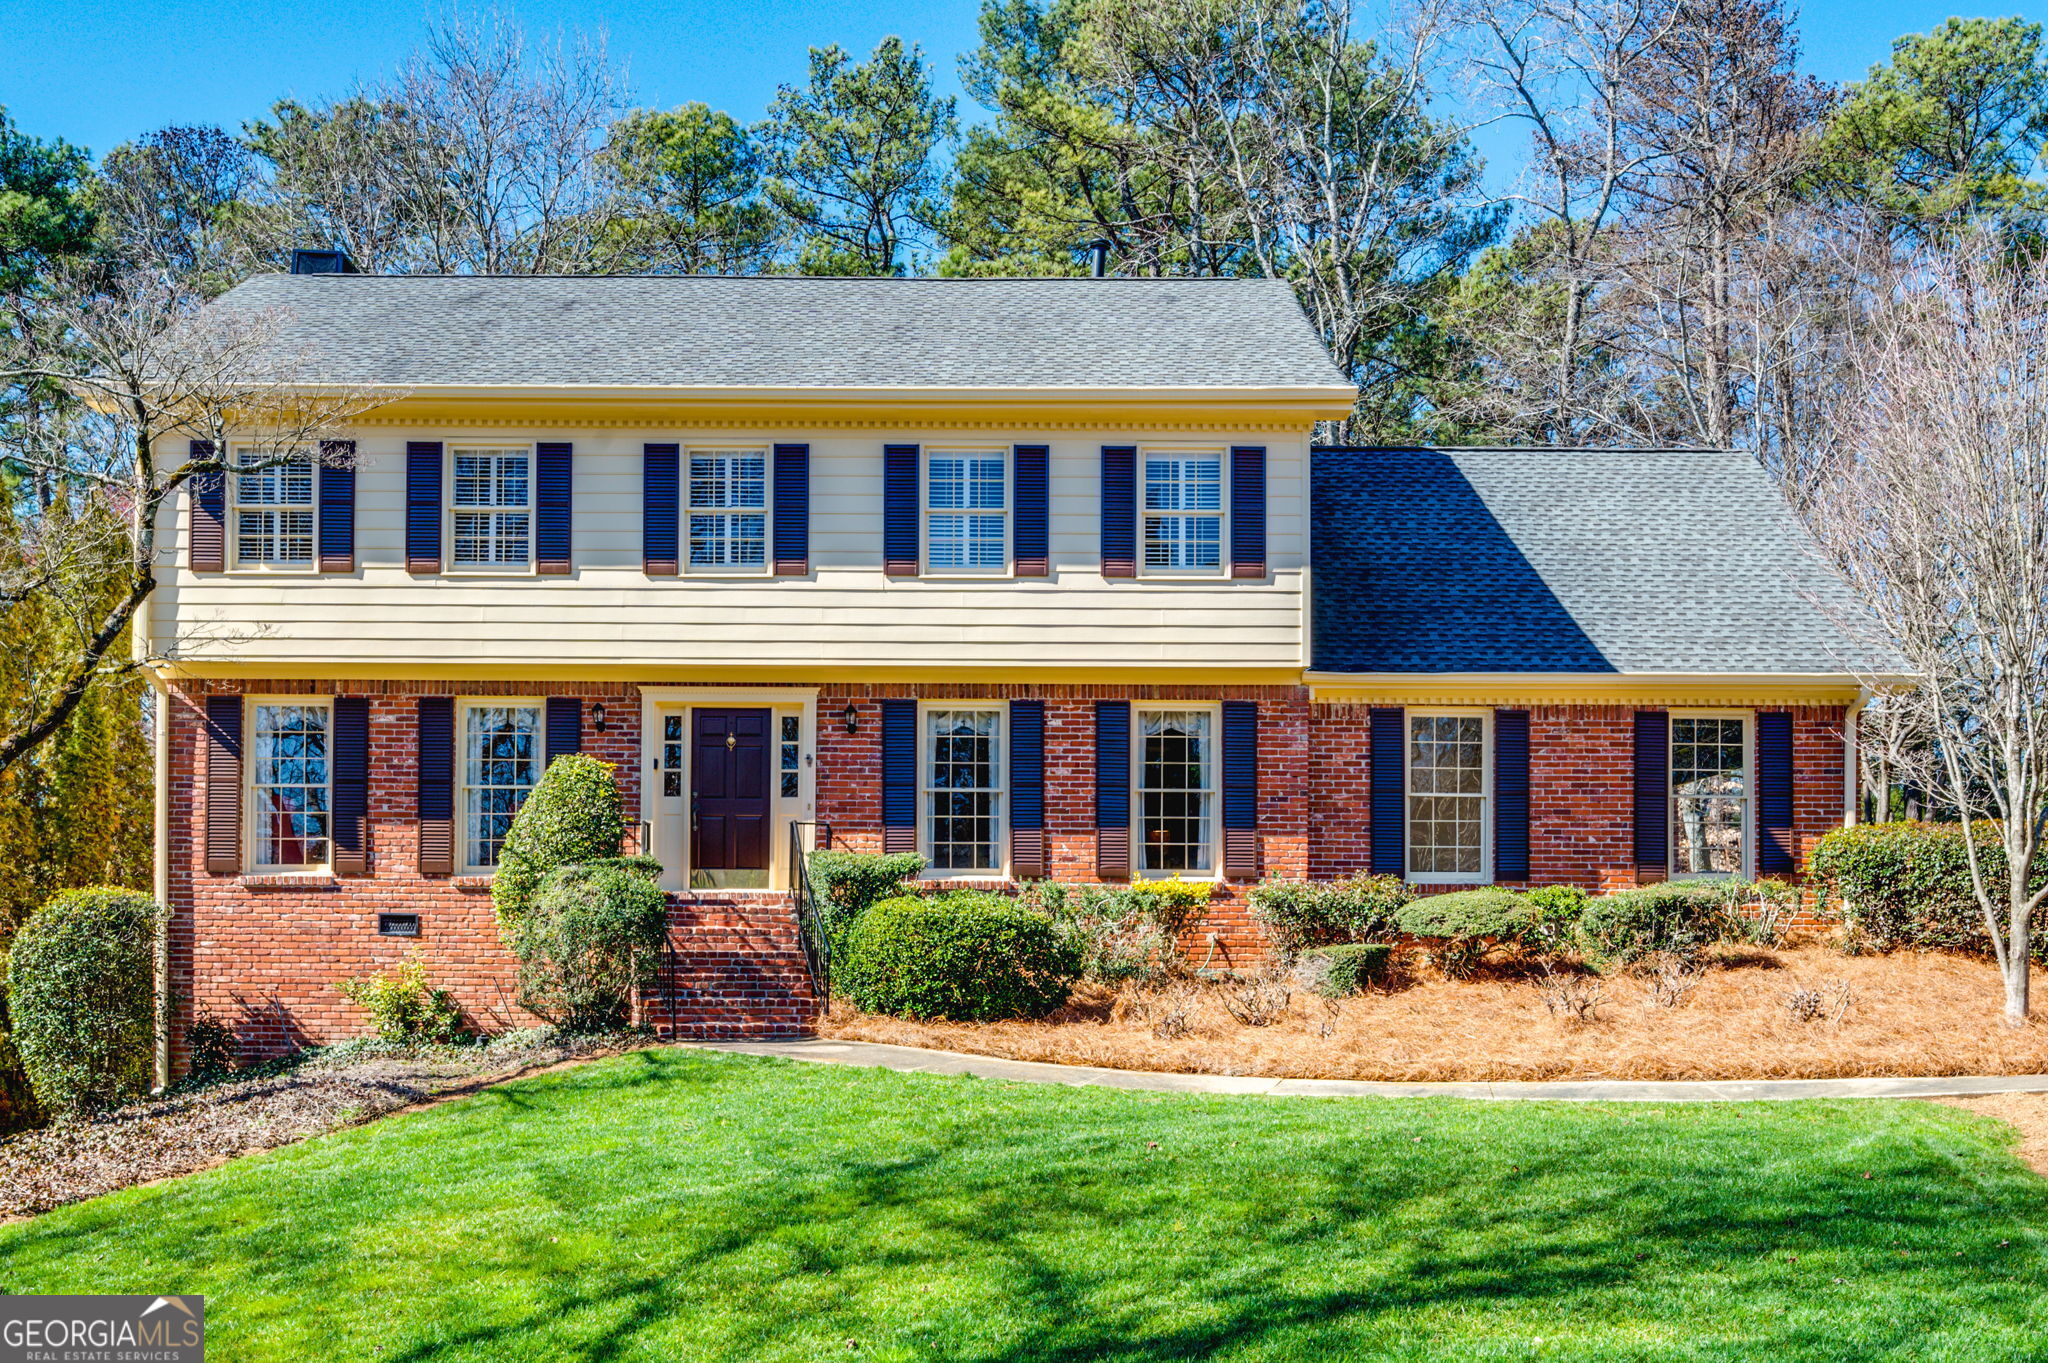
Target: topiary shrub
[407,1008]
[1618,930]
[1908,884]
[81,986]
[1299,914]
[848,882]
[575,814]
[1469,925]
[1348,968]
[592,935]
[966,956]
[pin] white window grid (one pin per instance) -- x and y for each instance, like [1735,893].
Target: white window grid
[1175,772]
[491,506]
[291,782]
[501,757]
[726,519]
[966,511]
[1710,764]
[1181,504]
[963,780]
[1448,764]
[274,510]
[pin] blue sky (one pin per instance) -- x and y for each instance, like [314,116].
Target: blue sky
[99,72]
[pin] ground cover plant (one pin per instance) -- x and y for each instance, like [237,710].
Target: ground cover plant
[676,1204]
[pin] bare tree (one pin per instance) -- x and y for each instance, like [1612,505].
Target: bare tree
[1937,509]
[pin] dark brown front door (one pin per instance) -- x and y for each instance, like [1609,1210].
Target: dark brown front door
[729,798]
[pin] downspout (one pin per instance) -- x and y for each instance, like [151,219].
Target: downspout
[1852,792]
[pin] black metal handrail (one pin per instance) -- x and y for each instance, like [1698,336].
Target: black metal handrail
[810,918]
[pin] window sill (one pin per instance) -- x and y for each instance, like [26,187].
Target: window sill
[473,881]
[288,880]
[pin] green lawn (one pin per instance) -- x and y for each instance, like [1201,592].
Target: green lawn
[680,1205]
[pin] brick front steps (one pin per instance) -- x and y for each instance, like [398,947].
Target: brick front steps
[734,969]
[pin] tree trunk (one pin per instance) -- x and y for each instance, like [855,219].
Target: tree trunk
[2018,966]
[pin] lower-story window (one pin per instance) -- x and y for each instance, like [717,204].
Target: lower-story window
[1447,792]
[1709,794]
[289,781]
[501,757]
[963,792]
[1176,791]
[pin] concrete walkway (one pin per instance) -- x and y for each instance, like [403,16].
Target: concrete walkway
[916,1060]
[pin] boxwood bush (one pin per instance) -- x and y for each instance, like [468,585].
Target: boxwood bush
[575,814]
[1346,968]
[1468,915]
[591,936]
[1908,884]
[81,997]
[1299,914]
[848,882]
[966,956]
[1618,930]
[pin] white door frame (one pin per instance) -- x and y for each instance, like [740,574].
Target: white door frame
[668,823]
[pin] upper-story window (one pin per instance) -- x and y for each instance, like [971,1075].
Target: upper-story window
[1176,780]
[1709,794]
[1183,512]
[290,781]
[963,792]
[966,511]
[491,507]
[728,511]
[1447,794]
[501,762]
[273,516]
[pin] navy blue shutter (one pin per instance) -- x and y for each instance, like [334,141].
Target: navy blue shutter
[206,524]
[553,496]
[660,487]
[1510,794]
[337,506]
[423,506]
[1027,789]
[1113,789]
[1119,511]
[900,554]
[1032,556]
[1248,511]
[351,774]
[564,726]
[436,755]
[1389,790]
[1774,848]
[899,776]
[1240,790]
[1652,792]
[792,510]
[223,785]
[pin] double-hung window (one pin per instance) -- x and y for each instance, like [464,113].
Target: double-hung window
[728,512]
[501,761]
[290,782]
[1447,794]
[491,507]
[1176,803]
[966,511]
[963,788]
[1183,512]
[273,517]
[1709,794]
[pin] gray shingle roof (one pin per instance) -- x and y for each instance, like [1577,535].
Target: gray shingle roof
[1489,560]
[418,330]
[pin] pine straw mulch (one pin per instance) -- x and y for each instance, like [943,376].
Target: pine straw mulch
[317,1092]
[1909,1013]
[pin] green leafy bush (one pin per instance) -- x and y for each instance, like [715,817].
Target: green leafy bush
[1679,919]
[575,814]
[408,1010]
[18,1107]
[1554,912]
[210,1044]
[591,936]
[1347,968]
[848,882]
[1499,915]
[966,956]
[81,989]
[1298,914]
[1117,933]
[1908,884]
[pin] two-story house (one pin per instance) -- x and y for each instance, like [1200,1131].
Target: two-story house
[1038,577]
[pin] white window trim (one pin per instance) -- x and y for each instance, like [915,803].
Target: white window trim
[1484,876]
[1748,871]
[1001,760]
[1214,710]
[252,815]
[233,502]
[1222,513]
[463,705]
[667,823]
[767,568]
[448,510]
[925,510]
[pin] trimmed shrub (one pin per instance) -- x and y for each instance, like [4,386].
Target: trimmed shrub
[966,956]
[575,814]
[81,985]
[1498,915]
[1680,919]
[1347,968]
[848,882]
[407,1009]
[1554,912]
[1298,914]
[1173,904]
[592,935]
[1908,884]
